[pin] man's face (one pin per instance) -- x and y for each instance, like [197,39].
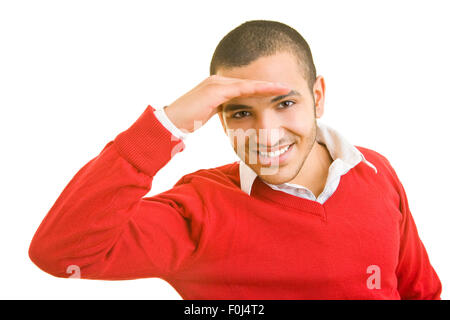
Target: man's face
[286,127]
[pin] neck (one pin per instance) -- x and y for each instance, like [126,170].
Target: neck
[314,172]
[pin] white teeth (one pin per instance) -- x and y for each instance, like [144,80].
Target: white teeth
[274,153]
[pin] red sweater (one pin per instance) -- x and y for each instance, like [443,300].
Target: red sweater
[210,240]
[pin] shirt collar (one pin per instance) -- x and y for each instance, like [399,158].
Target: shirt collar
[336,144]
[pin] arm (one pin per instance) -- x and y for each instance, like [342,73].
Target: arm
[415,275]
[101,224]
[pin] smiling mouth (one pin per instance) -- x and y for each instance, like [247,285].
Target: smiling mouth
[274,154]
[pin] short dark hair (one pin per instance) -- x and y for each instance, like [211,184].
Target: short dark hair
[259,38]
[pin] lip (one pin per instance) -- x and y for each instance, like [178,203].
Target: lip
[276,160]
[275,149]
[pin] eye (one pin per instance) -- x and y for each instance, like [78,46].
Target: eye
[240,114]
[281,103]
[243,114]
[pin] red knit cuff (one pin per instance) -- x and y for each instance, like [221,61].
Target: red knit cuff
[147,144]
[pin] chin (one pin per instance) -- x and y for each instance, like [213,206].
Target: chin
[277,178]
[278,175]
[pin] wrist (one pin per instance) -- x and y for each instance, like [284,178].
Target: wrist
[169,125]
[147,144]
[174,118]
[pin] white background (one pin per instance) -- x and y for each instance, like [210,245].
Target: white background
[74,74]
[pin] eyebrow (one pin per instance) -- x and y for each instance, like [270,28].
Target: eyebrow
[232,106]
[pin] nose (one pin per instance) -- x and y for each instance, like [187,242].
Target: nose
[268,130]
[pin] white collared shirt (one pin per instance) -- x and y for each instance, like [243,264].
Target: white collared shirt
[345,157]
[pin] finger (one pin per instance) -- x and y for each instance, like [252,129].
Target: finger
[256,88]
[231,80]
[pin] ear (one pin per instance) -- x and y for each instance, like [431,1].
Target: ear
[319,96]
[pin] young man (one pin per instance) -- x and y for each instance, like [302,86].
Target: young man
[303,215]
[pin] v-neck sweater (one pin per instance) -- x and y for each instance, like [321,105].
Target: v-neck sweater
[210,240]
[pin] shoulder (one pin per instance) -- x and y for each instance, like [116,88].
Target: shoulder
[375,157]
[384,167]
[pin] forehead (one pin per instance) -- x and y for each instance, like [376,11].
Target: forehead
[281,67]
[275,67]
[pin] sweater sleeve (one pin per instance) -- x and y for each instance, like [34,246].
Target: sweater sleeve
[416,278]
[102,227]
[168,124]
